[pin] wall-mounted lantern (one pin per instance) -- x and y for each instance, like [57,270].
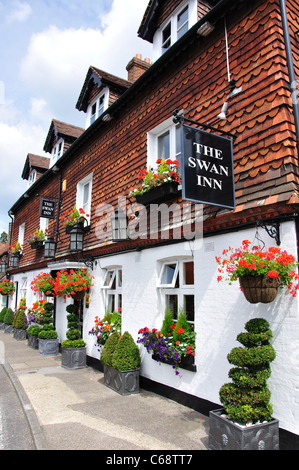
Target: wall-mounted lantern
[3,265]
[50,248]
[76,237]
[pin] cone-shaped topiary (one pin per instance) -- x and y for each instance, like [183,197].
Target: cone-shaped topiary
[167,322]
[126,355]
[247,398]
[8,318]
[109,348]
[20,319]
[2,314]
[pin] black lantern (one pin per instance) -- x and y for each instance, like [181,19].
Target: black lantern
[3,265]
[76,237]
[119,223]
[14,260]
[50,248]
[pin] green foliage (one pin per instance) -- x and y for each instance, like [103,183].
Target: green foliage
[20,319]
[73,334]
[181,324]
[167,322]
[2,314]
[48,329]
[34,330]
[247,398]
[126,355]
[78,343]
[8,318]
[48,334]
[109,348]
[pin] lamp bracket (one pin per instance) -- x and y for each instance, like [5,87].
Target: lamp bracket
[179,118]
[272,229]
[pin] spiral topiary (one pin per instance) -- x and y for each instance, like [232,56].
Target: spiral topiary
[73,335]
[48,330]
[247,398]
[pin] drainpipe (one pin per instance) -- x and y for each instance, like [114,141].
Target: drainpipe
[292,76]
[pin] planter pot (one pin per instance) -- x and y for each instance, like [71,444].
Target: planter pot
[19,334]
[160,194]
[226,435]
[73,358]
[8,329]
[79,295]
[187,362]
[123,382]
[36,245]
[48,347]
[2,325]
[259,288]
[32,342]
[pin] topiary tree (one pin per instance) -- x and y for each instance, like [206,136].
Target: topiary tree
[8,318]
[48,331]
[181,324]
[2,314]
[20,319]
[247,398]
[126,355]
[167,322]
[109,348]
[73,335]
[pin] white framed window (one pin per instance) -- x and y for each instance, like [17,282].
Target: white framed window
[23,288]
[43,223]
[57,151]
[97,107]
[176,285]
[174,27]
[32,178]
[112,285]
[84,192]
[164,141]
[21,233]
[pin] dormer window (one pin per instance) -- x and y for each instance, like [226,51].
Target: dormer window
[32,178]
[97,107]
[57,151]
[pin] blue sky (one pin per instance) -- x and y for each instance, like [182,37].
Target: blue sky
[46,49]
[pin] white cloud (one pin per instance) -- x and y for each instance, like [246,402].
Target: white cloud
[20,12]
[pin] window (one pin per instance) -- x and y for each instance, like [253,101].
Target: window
[21,234]
[57,151]
[32,177]
[176,284]
[97,107]
[113,286]
[175,26]
[23,288]
[84,191]
[164,141]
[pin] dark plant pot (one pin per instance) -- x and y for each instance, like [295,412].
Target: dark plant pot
[226,435]
[187,362]
[259,288]
[79,295]
[32,342]
[8,329]
[73,358]
[160,194]
[20,334]
[48,347]
[69,228]
[37,245]
[123,382]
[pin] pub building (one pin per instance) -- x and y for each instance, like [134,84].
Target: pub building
[218,96]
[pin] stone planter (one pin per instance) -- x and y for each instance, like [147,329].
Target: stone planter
[2,325]
[160,194]
[73,358]
[48,347]
[123,382]
[33,342]
[259,288]
[227,435]
[19,334]
[8,329]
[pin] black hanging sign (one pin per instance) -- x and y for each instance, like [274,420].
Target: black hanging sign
[47,209]
[207,169]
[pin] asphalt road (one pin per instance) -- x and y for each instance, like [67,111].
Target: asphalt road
[14,430]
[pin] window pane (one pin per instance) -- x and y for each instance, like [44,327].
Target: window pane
[164,146]
[182,22]
[108,278]
[172,303]
[189,273]
[119,303]
[101,105]
[189,307]
[111,303]
[120,278]
[168,274]
[166,37]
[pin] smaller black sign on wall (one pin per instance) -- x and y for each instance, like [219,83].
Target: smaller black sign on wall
[47,209]
[208,171]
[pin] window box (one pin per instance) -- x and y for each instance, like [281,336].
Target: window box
[160,194]
[37,245]
[187,362]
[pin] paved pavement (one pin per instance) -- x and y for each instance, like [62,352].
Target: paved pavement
[74,410]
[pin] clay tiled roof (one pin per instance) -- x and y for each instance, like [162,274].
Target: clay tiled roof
[41,164]
[61,129]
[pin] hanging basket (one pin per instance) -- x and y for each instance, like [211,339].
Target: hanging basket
[259,288]
[78,295]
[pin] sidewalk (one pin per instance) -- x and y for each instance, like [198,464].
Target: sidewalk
[74,410]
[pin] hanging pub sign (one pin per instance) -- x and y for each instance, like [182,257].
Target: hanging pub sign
[47,208]
[207,169]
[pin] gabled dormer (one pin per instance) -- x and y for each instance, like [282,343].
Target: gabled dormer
[60,137]
[99,91]
[166,21]
[34,167]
